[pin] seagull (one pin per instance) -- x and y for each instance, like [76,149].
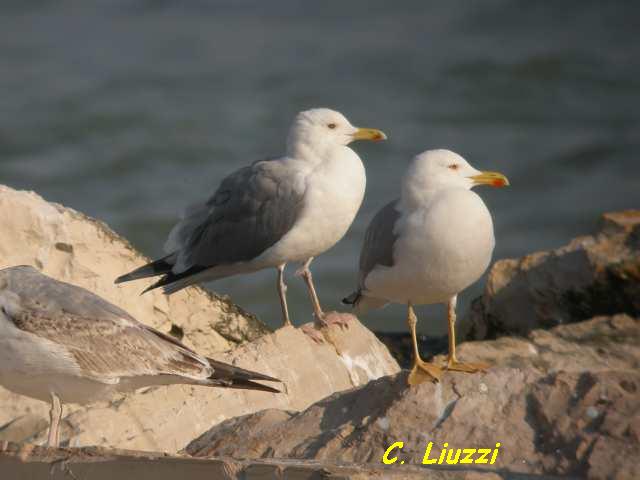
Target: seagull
[427,246]
[61,343]
[272,212]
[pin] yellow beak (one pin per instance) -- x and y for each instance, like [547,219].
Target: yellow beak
[369,134]
[494,179]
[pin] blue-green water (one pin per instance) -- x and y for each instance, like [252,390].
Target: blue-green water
[130,110]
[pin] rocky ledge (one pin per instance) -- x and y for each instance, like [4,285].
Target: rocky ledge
[561,329]
[562,397]
[592,275]
[78,249]
[75,248]
[563,401]
[95,463]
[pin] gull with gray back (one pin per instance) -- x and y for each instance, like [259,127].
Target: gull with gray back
[272,212]
[427,246]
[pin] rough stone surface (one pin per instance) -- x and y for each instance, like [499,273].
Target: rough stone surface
[166,418]
[27,461]
[563,398]
[74,248]
[563,402]
[592,275]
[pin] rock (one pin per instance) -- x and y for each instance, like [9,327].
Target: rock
[599,344]
[166,418]
[560,402]
[74,248]
[27,461]
[592,275]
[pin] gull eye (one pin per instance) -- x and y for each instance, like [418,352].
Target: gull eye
[454,166]
[332,126]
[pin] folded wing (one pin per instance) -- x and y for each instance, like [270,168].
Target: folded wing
[105,342]
[251,210]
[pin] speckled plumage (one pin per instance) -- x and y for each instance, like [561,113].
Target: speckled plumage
[60,338]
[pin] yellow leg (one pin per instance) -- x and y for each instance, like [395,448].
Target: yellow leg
[422,371]
[453,364]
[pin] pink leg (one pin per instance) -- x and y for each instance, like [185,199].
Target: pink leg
[305,273]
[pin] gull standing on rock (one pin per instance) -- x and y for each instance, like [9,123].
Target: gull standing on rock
[275,211]
[427,246]
[61,343]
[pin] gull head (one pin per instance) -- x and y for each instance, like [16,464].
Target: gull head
[323,128]
[435,169]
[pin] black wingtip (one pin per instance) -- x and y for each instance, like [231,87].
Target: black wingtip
[249,385]
[152,269]
[224,371]
[123,278]
[267,378]
[153,286]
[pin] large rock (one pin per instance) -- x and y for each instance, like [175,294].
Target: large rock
[592,275]
[74,248]
[564,402]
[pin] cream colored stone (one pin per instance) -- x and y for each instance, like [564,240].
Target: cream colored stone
[74,248]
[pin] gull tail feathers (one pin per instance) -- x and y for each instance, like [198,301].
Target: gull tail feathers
[352,299]
[153,269]
[174,282]
[361,303]
[235,377]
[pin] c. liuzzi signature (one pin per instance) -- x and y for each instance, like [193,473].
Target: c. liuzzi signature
[448,456]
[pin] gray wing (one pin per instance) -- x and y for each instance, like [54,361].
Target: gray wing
[252,209]
[103,339]
[377,248]
[54,296]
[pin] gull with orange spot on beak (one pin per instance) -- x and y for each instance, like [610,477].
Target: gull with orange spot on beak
[428,245]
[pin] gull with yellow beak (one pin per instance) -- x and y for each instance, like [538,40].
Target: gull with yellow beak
[427,246]
[272,212]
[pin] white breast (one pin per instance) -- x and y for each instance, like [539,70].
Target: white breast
[441,250]
[335,190]
[34,366]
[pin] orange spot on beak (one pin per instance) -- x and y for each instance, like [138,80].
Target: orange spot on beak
[498,182]
[371,134]
[493,179]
